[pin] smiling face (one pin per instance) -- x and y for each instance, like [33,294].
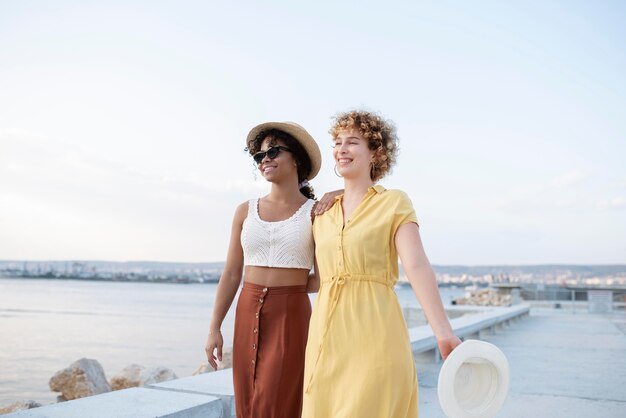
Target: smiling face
[352,154]
[280,167]
[378,133]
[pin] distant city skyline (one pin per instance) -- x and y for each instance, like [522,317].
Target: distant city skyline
[122,124]
[600,276]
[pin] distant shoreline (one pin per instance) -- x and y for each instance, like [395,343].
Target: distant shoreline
[122,280]
[181,281]
[567,275]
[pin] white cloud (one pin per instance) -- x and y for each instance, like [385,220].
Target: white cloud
[20,133]
[617,202]
[59,196]
[133,145]
[213,185]
[567,179]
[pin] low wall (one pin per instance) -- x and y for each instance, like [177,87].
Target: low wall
[481,320]
[210,395]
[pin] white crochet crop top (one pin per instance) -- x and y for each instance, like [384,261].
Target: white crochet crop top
[286,244]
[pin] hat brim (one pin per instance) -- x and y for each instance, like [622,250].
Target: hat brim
[300,134]
[473,381]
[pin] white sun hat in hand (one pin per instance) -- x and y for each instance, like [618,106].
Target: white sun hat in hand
[473,381]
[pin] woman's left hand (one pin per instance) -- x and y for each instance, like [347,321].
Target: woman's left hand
[326,202]
[447,344]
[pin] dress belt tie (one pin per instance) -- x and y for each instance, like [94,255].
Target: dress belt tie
[336,284]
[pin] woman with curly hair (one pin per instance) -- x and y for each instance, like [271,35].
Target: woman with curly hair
[358,357]
[272,245]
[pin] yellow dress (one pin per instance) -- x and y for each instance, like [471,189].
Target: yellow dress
[358,357]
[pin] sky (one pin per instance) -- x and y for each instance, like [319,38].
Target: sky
[123,123]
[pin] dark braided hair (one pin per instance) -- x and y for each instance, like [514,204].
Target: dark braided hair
[303,161]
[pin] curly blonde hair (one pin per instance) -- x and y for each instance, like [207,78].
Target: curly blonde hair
[379,133]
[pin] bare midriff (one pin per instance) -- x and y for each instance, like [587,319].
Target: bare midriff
[274,277]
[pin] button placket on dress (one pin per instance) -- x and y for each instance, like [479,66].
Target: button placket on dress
[340,254]
[337,282]
[255,330]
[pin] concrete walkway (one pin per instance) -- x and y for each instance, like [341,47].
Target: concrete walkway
[562,365]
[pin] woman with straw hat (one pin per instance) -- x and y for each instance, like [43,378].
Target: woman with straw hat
[358,356]
[272,245]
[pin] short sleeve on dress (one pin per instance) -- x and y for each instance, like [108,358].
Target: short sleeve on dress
[403,210]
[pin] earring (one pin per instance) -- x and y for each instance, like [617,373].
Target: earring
[373,166]
[336,173]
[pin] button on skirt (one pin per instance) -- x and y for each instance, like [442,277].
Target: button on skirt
[271,328]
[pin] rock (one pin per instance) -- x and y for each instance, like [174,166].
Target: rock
[204,368]
[484,297]
[157,375]
[227,362]
[84,377]
[137,375]
[130,377]
[19,406]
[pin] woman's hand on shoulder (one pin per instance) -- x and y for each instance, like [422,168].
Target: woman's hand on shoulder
[326,202]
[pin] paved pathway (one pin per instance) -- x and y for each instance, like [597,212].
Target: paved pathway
[562,365]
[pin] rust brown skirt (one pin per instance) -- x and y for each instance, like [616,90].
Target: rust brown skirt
[271,328]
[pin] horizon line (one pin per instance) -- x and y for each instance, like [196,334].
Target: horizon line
[556,264]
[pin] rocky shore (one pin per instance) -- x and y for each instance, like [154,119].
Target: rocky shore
[484,297]
[86,377]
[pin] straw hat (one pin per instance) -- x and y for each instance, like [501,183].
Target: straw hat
[300,134]
[473,381]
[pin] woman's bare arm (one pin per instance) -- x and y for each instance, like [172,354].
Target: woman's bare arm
[227,287]
[424,284]
[313,284]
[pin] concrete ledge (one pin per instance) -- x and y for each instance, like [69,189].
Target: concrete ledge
[132,403]
[422,337]
[218,384]
[211,395]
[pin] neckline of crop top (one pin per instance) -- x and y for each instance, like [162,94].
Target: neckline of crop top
[294,215]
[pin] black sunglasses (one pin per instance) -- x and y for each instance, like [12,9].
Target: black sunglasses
[271,153]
